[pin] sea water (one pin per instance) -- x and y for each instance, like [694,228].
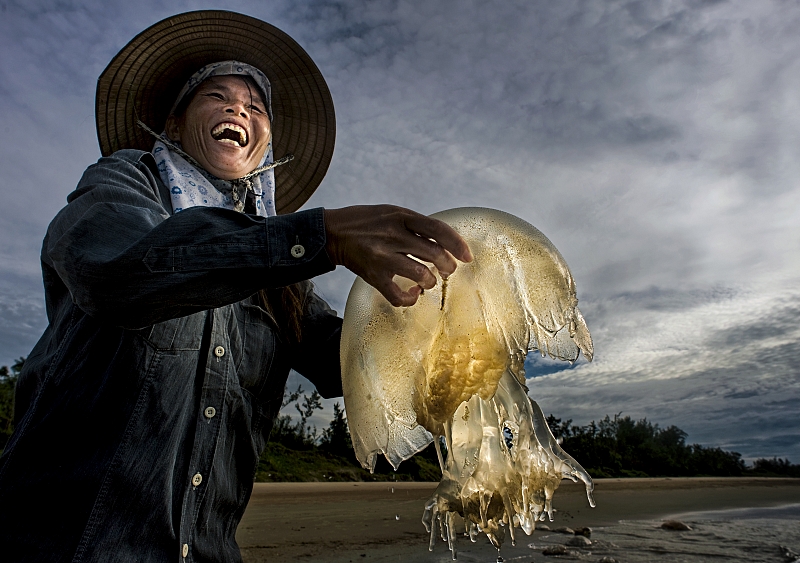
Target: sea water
[746,535]
[772,538]
[752,535]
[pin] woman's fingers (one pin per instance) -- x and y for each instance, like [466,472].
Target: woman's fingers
[442,233]
[418,272]
[396,296]
[375,242]
[380,274]
[432,252]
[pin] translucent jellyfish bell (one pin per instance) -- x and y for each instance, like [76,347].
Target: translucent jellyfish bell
[452,366]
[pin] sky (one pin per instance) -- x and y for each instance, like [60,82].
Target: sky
[656,143]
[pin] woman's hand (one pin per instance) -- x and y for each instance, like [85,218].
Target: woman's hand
[375,242]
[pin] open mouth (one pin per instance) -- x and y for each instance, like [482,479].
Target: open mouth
[230,133]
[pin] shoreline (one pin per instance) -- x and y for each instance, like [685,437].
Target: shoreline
[381,521]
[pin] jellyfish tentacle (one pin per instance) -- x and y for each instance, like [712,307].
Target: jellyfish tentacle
[438,447]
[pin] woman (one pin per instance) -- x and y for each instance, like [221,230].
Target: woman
[177,301]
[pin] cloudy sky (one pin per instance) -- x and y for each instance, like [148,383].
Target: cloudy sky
[656,143]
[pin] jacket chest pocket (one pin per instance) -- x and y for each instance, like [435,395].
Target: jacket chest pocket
[259,348]
[183,333]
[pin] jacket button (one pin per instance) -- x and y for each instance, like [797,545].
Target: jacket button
[210,412]
[219,351]
[197,479]
[185,550]
[298,251]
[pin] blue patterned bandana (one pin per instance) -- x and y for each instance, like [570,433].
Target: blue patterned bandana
[227,68]
[190,185]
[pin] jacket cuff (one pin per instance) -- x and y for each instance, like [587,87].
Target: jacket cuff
[297,241]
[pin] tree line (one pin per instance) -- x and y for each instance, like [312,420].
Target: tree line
[297,451]
[8,382]
[615,446]
[623,447]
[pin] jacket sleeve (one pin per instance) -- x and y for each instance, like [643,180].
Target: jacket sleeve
[125,260]
[317,357]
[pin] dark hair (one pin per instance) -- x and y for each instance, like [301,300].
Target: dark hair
[287,305]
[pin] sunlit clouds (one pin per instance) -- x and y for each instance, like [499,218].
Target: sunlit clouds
[657,145]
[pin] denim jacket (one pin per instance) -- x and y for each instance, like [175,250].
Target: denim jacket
[142,411]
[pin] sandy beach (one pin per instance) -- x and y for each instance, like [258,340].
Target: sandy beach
[343,522]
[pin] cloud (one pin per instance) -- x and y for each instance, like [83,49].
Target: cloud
[721,367]
[22,317]
[655,143]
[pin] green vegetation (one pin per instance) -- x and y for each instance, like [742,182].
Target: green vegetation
[8,381]
[297,452]
[622,447]
[775,467]
[613,447]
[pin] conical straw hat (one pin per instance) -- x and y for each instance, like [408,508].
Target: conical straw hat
[144,78]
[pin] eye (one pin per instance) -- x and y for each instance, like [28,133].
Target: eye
[215,95]
[257,109]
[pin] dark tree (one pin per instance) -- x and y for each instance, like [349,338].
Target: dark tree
[623,447]
[297,435]
[336,438]
[776,467]
[8,383]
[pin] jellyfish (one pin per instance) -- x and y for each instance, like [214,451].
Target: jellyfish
[451,368]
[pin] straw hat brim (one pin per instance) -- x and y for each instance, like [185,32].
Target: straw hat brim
[145,77]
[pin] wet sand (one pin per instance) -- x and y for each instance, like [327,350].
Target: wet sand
[343,522]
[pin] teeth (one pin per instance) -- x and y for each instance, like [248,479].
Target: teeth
[233,127]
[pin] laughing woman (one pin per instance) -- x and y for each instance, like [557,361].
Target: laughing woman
[178,301]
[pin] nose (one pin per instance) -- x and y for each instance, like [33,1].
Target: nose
[238,107]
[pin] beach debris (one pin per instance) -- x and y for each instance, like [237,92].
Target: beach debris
[579,541]
[559,550]
[585,531]
[676,526]
[564,530]
[607,559]
[449,370]
[788,555]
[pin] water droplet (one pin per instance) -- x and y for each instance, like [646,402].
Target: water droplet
[397,517]
[392,490]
